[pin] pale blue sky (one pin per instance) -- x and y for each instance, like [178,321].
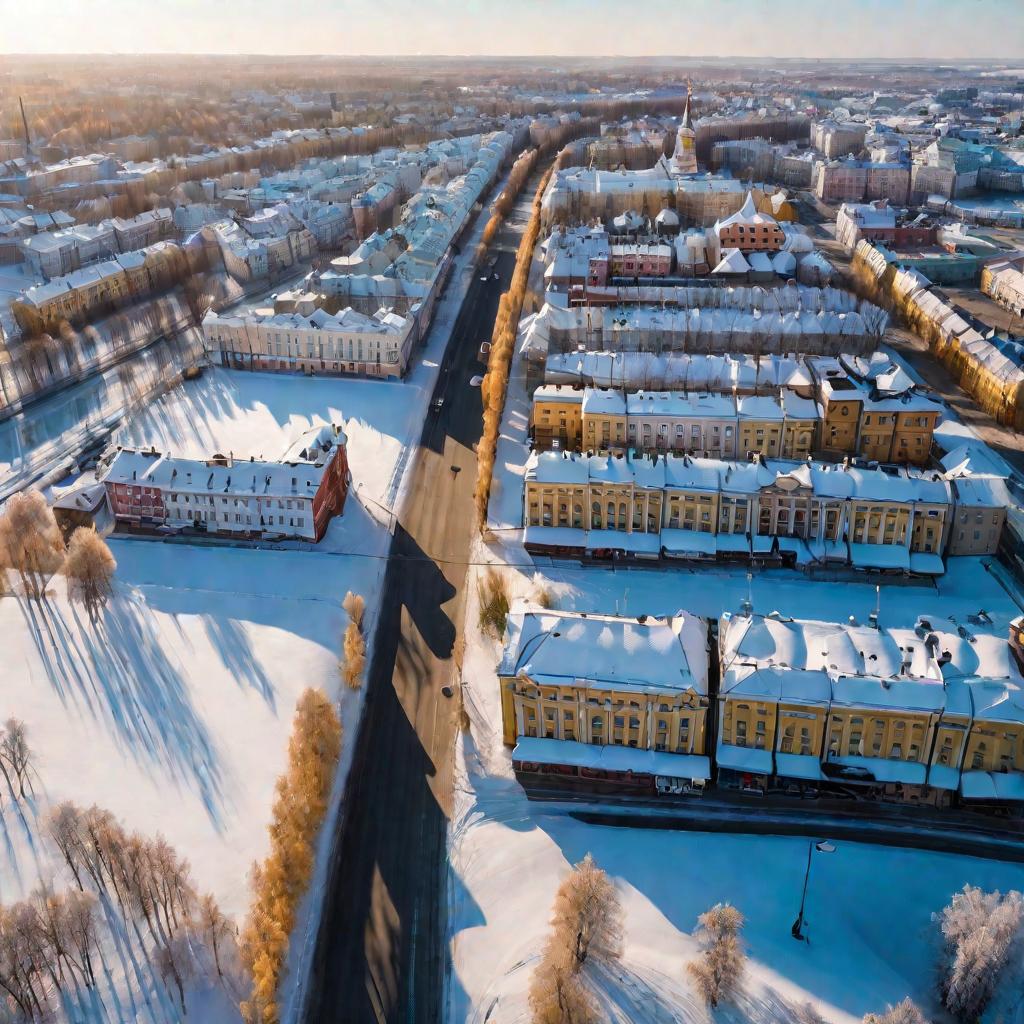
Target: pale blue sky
[799,28]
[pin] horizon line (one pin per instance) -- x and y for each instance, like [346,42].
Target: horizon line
[847,58]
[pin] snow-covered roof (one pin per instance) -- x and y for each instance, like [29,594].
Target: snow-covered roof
[607,651]
[732,262]
[298,473]
[924,669]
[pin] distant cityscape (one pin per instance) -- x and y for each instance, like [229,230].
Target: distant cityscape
[495,539]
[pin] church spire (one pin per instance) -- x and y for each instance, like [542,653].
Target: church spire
[687,121]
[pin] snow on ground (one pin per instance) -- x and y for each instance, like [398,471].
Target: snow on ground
[173,710]
[261,415]
[872,939]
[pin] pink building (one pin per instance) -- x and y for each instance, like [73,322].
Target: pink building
[640,259]
[849,181]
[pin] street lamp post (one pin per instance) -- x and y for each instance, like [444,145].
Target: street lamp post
[824,846]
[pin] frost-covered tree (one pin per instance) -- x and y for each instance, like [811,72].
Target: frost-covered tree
[213,928]
[718,971]
[905,1012]
[978,929]
[558,994]
[30,541]
[89,568]
[587,915]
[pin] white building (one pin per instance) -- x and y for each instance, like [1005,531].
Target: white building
[294,497]
[314,341]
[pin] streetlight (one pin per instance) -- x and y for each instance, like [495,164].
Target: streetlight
[824,846]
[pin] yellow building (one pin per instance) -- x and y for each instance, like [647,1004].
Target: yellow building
[709,424]
[913,430]
[800,427]
[914,714]
[761,422]
[604,420]
[841,405]
[610,701]
[876,432]
[897,520]
[556,417]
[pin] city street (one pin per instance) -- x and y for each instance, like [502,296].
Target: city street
[381,950]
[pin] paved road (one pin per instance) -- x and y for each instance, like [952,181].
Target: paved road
[381,951]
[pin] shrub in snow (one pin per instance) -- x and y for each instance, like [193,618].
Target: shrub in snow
[494,603]
[353,659]
[354,606]
[718,972]
[279,882]
[89,568]
[978,929]
[906,1012]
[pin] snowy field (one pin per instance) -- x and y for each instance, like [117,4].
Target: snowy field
[869,910]
[173,710]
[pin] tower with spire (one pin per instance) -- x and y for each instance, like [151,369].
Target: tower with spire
[684,158]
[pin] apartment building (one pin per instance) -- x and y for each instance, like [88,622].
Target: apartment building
[604,701]
[838,138]
[884,420]
[705,423]
[82,292]
[749,230]
[294,497]
[854,181]
[313,341]
[921,714]
[1003,280]
[685,507]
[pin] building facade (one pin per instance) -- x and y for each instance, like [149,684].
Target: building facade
[295,497]
[612,702]
[902,713]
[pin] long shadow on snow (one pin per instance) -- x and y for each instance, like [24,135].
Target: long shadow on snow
[121,674]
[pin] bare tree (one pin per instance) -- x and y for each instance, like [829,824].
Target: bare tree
[718,972]
[905,1012]
[214,928]
[89,568]
[15,755]
[64,826]
[80,922]
[587,916]
[978,929]
[174,961]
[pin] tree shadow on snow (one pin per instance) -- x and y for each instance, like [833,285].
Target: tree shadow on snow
[230,640]
[118,669]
